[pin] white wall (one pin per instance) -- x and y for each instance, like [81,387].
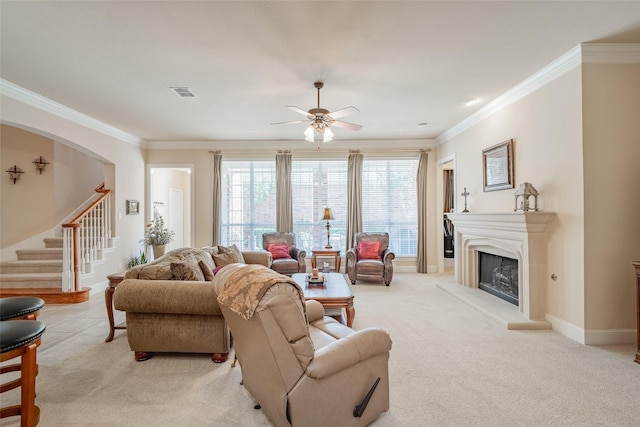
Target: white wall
[76,178]
[612,187]
[547,130]
[23,202]
[123,162]
[576,139]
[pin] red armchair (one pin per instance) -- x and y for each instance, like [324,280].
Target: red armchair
[287,259]
[370,258]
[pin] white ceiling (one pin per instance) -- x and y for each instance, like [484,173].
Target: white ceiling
[400,63]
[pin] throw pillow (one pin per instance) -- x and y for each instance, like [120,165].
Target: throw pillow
[187,269]
[369,250]
[215,270]
[278,251]
[206,271]
[233,249]
[204,256]
[225,258]
[155,272]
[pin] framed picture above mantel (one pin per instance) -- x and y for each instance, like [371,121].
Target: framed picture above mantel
[497,166]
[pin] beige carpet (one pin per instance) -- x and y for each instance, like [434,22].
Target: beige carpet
[450,366]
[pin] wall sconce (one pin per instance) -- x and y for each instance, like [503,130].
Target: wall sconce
[328,215]
[40,163]
[14,173]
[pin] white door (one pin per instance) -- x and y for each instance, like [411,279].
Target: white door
[176,216]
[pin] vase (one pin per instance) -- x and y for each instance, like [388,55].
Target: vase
[158,251]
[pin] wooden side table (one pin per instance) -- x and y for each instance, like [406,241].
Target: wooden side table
[114,281]
[334,253]
[637,267]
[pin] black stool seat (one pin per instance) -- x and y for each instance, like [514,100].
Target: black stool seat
[11,307]
[18,333]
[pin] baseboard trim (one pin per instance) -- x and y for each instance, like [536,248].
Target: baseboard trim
[592,336]
[610,336]
[565,328]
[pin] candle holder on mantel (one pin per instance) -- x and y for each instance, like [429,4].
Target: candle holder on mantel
[526,191]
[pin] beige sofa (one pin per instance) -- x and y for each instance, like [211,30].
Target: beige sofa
[165,313]
[302,368]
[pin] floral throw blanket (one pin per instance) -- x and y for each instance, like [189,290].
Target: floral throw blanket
[244,288]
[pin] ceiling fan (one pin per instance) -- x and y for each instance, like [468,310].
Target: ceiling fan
[320,120]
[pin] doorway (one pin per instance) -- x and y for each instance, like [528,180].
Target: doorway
[446,201]
[170,195]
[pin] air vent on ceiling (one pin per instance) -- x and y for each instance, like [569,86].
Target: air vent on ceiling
[183,92]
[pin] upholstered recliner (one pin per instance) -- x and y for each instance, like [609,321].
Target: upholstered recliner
[286,260]
[370,258]
[303,368]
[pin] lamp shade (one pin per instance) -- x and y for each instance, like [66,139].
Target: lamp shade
[327,214]
[315,133]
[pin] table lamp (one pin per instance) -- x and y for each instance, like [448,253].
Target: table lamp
[328,215]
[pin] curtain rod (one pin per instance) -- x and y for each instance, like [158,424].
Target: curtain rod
[327,151]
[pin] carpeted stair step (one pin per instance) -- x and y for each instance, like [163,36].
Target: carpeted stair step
[34,280]
[39,254]
[53,242]
[31,266]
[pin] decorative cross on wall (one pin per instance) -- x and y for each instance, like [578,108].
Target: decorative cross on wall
[464,194]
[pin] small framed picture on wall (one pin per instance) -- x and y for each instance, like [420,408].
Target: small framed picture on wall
[133,207]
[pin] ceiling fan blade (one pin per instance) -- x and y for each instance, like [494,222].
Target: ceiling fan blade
[298,110]
[343,112]
[345,125]
[290,123]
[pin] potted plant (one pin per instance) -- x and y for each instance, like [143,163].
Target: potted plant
[157,236]
[136,260]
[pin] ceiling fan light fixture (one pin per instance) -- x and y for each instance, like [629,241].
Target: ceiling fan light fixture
[320,120]
[315,133]
[328,135]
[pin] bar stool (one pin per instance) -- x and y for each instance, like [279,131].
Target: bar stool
[21,338]
[14,308]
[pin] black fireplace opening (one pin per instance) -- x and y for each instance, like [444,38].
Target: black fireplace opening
[499,276]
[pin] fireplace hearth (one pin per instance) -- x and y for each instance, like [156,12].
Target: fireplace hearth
[498,276]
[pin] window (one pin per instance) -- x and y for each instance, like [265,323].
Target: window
[389,202]
[388,198]
[314,185]
[248,202]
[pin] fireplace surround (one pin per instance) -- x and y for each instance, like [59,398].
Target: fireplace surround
[517,235]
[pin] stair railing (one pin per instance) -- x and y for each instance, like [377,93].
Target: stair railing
[84,238]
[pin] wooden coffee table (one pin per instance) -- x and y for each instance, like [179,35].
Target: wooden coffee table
[335,294]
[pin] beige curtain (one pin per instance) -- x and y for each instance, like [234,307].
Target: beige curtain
[217,199]
[284,206]
[421,188]
[448,190]
[354,197]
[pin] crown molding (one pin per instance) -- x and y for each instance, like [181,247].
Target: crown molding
[588,53]
[40,102]
[557,68]
[611,53]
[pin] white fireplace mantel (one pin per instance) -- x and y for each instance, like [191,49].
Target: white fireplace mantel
[517,235]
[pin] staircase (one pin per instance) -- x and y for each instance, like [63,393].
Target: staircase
[38,272]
